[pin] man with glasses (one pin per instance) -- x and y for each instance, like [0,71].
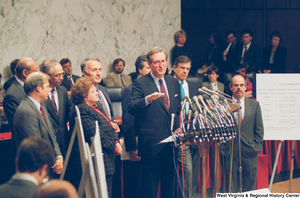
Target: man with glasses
[58,103]
[155,97]
[15,95]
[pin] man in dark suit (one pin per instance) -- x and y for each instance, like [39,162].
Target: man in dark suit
[191,159]
[252,132]
[230,56]
[250,53]
[132,169]
[32,119]
[69,78]
[14,96]
[58,103]
[13,65]
[35,156]
[154,98]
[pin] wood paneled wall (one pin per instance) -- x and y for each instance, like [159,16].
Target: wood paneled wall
[199,17]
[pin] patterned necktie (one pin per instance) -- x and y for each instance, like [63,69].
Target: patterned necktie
[103,103]
[71,83]
[165,97]
[238,114]
[245,52]
[122,81]
[182,93]
[53,102]
[43,113]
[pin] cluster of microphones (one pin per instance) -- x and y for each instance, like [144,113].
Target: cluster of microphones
[209,119]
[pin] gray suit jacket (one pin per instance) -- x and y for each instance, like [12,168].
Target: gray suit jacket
[28,121]
[17,188]
[252,130]
[112,79]
[207,84]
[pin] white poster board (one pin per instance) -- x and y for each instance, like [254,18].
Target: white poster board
[279,98]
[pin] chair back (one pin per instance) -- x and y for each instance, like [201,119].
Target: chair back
[115,95]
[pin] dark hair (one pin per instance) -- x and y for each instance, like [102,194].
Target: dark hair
[182,59]
[230,32]
[277,34]
[217,37]
[64,61]
[139,63]
[13,65]
[33,153]
[246,66]
[212,69]
[177,34]
[0,75]
[81,89]
[246,31]
[116,61]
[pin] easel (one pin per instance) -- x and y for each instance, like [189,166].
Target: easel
[88,180]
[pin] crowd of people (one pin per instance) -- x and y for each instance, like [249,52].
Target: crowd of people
[39,102]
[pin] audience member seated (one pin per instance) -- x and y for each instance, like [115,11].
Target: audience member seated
[179,49]
[116,78]
[56,188]
[249,53]
[274,56]
[213,84]
[214,51]
[250,82]
[230,54]
[69,78]
[34,158]
[13,65]
[85,96]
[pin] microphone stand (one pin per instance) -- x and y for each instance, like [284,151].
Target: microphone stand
[239,130]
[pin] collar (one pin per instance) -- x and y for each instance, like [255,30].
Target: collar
[50,89]
[35,102]
[242,100]
[20,81]
[156,79]
[248,45]
[27,177]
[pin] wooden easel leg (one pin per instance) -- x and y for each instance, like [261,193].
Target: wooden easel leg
[204,176]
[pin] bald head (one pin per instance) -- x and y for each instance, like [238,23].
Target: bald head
[238,87]
[57,188]
[26,66]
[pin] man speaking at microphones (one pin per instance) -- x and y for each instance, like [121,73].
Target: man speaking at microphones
[155,97]
[188,153]
[252,133]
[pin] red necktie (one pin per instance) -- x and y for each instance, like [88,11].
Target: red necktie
[53,102]
[43,113]
[71,83]
[122,81]
[165,98]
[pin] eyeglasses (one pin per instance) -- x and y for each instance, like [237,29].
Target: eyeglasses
[156,63]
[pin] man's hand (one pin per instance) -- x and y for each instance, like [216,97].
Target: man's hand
[59,164]
[154,96]
[118,122]
[225,53]
[115,127]
[267,71]
[134,156]
[118,149]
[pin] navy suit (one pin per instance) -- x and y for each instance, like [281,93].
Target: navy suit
[105,93]
[60,123]
[155,122]
[278,65]
[66,81]
[253,57]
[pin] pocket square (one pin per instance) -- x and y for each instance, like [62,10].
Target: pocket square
[175,95]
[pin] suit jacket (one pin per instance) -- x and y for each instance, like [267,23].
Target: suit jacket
[104,91]
[207,84]
[278,65]
[8,83]
[252,130]
[231,63]
[28,121]
[66,82]
[112,79]
[155,120]
[130,123]
[107,134]
[253,57]
[17,188]
[60,123]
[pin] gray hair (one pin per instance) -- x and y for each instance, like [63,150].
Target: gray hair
[155,50]
[83,64]
[47,66]
[33,80]
[140,63]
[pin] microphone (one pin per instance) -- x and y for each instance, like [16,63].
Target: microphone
[195,98]
[203,103]
[185,99]
[189,120]
[172,124]
[224,94]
